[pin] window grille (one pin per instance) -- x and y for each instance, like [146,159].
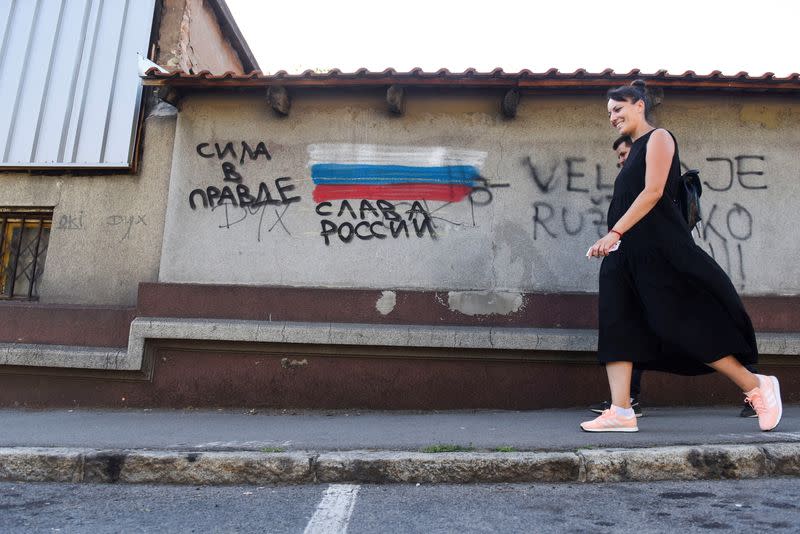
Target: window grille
[24,236]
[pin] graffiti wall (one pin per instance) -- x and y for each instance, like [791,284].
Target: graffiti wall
[339,194]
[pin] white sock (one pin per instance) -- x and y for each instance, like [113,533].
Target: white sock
[624,412]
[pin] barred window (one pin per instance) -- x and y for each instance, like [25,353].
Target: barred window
[24,236]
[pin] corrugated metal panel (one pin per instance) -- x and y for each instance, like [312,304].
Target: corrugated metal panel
[69,81]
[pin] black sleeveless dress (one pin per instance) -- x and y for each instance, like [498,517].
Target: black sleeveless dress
[664,303]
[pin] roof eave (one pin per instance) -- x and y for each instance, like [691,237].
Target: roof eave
[526,82]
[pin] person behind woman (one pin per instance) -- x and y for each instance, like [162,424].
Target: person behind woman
[664,303]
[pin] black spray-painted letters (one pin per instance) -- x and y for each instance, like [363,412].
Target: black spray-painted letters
[240,195]
[390,221]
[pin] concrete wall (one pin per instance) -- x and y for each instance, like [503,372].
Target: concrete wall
[519,242]
[191,40]
[107,229]
[549,173]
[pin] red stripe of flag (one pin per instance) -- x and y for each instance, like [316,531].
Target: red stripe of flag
[442,192]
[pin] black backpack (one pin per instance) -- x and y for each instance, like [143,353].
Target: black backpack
[689,191]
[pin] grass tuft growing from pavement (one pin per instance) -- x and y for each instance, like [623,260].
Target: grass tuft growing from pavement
[447,448]
[505,449]
[273,449]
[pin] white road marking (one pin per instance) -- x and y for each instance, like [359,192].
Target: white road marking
[334,511]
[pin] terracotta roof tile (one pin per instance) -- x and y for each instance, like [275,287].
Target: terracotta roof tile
[524,79]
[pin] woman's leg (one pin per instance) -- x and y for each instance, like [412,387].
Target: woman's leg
[763,392]
[738,373]
[619,380]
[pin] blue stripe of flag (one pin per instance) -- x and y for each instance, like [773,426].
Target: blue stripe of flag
[341,173]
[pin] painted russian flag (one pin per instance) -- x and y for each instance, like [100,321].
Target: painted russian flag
[375,172]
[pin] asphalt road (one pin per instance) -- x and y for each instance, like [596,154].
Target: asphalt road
[709,506]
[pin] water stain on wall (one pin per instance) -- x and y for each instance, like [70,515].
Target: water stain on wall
[766,116]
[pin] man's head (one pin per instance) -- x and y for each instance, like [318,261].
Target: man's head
[622,146]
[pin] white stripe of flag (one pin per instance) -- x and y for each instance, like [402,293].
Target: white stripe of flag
[411,156]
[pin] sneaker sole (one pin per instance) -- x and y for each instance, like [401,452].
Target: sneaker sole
[780,403]
[612,430]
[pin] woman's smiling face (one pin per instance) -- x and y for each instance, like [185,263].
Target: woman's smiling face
[625,116]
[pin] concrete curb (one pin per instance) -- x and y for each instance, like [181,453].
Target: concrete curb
[703,462]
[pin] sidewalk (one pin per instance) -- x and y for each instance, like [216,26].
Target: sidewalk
[237,446]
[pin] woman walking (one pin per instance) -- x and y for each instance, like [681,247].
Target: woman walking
[664,303]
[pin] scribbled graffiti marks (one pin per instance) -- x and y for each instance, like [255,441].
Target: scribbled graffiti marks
[241,216]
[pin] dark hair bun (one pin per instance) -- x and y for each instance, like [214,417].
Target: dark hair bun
[639,83]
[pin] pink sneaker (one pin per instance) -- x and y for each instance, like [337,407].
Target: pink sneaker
[766,401]
[610,421]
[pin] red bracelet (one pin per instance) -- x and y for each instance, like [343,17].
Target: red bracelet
[618,233]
